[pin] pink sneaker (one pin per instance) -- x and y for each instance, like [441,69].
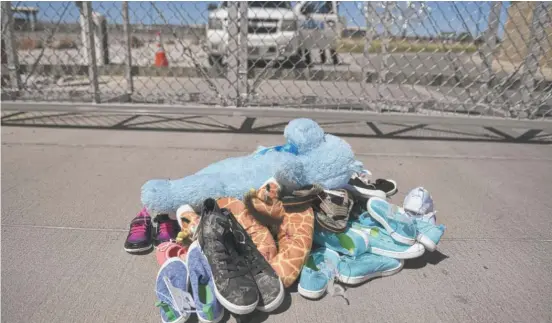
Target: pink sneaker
[168,250]
[139,234]
[165,230]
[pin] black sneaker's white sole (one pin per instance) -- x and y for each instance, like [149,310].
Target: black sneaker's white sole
[236,309]
[394,190]
[275,303]
[138,250]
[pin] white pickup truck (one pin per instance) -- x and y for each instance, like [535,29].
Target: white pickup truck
[277,30]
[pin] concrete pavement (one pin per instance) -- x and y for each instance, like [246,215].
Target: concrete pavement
[69,194]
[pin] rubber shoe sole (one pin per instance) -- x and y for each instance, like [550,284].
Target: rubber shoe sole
[311,294]
[139,250]
[275,303]
[361,279]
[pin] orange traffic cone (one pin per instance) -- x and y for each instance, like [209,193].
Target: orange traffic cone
[160,56]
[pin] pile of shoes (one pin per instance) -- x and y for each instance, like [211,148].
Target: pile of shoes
[240,255]
[372,240]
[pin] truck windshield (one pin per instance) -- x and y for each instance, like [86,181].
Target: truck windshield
[265,4]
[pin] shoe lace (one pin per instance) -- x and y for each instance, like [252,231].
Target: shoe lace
[227,256]
[166,225]
[138,226]
[334,289]
[179,300]
[144,213]
[253,259]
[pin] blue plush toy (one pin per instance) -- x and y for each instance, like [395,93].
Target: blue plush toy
[308,157]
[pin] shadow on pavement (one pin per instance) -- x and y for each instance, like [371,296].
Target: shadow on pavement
[432,258]
[198,124]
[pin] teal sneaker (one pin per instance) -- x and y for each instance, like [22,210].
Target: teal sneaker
[428,234]
[381,242]
[317,273]
[393,219]
[359,269]
[352,242]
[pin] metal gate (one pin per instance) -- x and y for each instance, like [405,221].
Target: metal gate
[479,63]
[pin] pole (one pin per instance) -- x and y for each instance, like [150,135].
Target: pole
[11,49]
[233,45]
[489,47]
[243,85]
[368,38]
[86,14]
[128,50]
[531,62]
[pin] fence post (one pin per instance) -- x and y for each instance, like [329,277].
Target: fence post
[385,41]
[86,21]
[531,61]
[368,38]
[489,46]
[128,51]
[101,42]
[11,48]
[232,51]
[243,84]
[384,67]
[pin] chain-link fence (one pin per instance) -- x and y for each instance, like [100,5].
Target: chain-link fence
[453,59]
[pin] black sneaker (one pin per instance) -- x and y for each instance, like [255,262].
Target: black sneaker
[271,289]
[235,288]
[381,188]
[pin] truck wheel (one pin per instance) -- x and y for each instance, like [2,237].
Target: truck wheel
[215,60]
[307,58]
[300,60]
[295,61]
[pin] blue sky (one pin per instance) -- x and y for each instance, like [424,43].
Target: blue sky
[443,14]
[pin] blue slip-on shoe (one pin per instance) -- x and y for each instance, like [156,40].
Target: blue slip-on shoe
[381,242]
[428,234]
[207,306]
[317,273]
[171,289]
[352,242]
[393,219]
[359,269]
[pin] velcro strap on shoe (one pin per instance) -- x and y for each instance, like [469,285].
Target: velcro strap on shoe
[304,196]
[336,204]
